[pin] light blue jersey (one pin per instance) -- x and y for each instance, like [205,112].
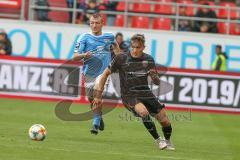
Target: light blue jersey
[99,46]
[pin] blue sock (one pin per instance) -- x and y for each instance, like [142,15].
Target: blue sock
[96,119]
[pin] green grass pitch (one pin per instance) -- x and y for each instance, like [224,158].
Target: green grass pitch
[196,136]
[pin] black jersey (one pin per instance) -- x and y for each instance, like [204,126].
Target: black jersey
[133,73]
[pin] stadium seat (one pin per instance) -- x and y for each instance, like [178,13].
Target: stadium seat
[234,28]
[140,22]
[223,12]
[102,7]
[119,20]
[15,4]
[141,7]
[58,16]
[104,16]
[222,27]
[162,23]
[10,9]
[190,9]
[164,8]
[121,6]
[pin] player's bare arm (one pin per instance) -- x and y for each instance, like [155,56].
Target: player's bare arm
[78,57]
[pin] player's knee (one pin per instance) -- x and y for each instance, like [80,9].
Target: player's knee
[165,122]
[144,113]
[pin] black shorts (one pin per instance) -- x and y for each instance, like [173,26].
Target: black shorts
[152,104]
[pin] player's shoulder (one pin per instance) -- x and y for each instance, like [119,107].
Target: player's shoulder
[81,37]
[148,57]
[85,36]
[108,34]
[122,56]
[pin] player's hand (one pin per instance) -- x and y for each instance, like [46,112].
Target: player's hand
[87,55]
[152,72]
[115,48]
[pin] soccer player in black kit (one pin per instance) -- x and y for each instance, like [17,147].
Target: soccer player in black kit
[134,67]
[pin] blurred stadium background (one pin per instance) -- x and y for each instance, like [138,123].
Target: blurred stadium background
[204,105]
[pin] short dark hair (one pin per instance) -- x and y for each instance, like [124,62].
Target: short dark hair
[139,38]
[219,46]
[92,1]
[96,15]
[118,34]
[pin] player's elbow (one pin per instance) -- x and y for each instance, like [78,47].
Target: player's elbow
[156,81]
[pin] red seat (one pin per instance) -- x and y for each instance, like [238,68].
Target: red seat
[140,22]
[10,9]
[121,6]
[104,16]
[162,23]
[164,8]
[222,27]
[119,20]
[234,28]
[223,12]
[101,7]
[16,4]
[142,7]
[58,16]
[190,9]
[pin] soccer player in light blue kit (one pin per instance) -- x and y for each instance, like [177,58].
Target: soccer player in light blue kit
[94,49]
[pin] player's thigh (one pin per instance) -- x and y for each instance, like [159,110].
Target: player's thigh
[163,118]
[141,109]
[153,105]
[89,87]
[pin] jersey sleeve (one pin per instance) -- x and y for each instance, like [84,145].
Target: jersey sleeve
[112,38]
[80,44]
[151,63]
[115,64]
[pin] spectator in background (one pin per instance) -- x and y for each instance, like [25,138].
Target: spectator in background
[183,24]
[91,8]
[42,14]
[2,48]
[110,6]
[80,4]
[220,62]
[236,29]
[205,26]
[123,45]
[5,44]
[70,4]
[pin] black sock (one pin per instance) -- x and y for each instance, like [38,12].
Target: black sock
[150,126]
[167,131]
